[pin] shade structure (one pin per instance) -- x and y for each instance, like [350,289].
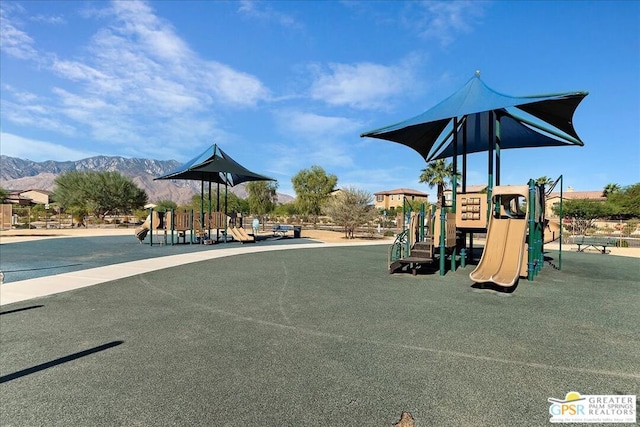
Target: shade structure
[214,165]
[461,123]
[235,173]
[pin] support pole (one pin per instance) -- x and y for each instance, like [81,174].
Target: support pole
[464,183]
[454,190]
[173,224]
[209,214]
[226,204]
[490,160]
[443,224]
[561,224]
[422,216]
[531,250]
[218,205]
[150,226]
[497,147]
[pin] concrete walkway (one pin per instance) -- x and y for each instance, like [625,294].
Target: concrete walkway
[48,285]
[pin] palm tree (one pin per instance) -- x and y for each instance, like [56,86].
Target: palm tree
[610,189]
[544,180]
[437,173]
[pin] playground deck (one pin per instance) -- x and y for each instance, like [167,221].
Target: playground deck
[316,337]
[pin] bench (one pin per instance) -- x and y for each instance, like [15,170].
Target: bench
[281,230]
[594,242]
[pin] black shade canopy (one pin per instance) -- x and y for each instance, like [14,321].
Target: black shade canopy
[214,165]
[524,121]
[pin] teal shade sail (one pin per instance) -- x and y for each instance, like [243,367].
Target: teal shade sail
[525,121]
[214,165]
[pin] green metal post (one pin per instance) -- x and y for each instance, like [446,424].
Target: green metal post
[454,184]
[443,222]
[422,216]
[202,204]
[407,244]
[191,231]
[531,249]
[464,253]
[173,224]
[540,226]
[561,225]
[490,160]
[209,214]
[150,226]
[226,204]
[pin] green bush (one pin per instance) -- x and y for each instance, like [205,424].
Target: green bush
[622,244]
[389,233]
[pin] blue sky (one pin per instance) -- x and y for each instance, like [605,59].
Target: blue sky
[282,86]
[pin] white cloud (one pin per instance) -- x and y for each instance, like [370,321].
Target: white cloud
[29,113]
[364,85]
[49,19]
[14,41]
[135,70]
[443,20]
[262,11]
[311,125]
[310,138]
[38,151]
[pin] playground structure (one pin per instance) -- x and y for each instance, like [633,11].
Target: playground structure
[515,229]
[172,226]
[213,165]
[478,119]
[419,243]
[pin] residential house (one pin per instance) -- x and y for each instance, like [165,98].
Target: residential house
[394,198]
[569,194]
[28,197]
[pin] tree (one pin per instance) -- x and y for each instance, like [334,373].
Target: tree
[610,189]
[3,195]
[98,193]
[286,209]
[234,203]
[262,196]
[583,213]
[313,186]
[544,180]
[166,205]
[626,201]
[350,208]
[437,174]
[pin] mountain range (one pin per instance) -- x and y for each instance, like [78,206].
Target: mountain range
[21,174]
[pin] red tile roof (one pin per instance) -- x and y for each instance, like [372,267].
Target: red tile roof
[406,191]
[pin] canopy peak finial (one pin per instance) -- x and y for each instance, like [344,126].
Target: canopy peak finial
[477,73]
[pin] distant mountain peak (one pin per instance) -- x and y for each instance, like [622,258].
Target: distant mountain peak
[21,174]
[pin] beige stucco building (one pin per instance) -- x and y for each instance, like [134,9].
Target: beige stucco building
[394,198]
[554,199]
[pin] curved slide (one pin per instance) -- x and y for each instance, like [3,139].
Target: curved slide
[502,257]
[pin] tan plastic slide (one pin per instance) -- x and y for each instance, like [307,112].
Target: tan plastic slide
[502,257]
[240,235]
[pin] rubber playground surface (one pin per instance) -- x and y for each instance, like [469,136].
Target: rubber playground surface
[309,336]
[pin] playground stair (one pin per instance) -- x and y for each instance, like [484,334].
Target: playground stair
[421,253]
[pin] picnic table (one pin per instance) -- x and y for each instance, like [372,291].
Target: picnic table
[599,243]
[282,230]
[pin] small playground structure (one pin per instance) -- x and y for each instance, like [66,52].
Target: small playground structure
[478,119]
[515,226]
[211,166]
[419,244]
[172,226]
